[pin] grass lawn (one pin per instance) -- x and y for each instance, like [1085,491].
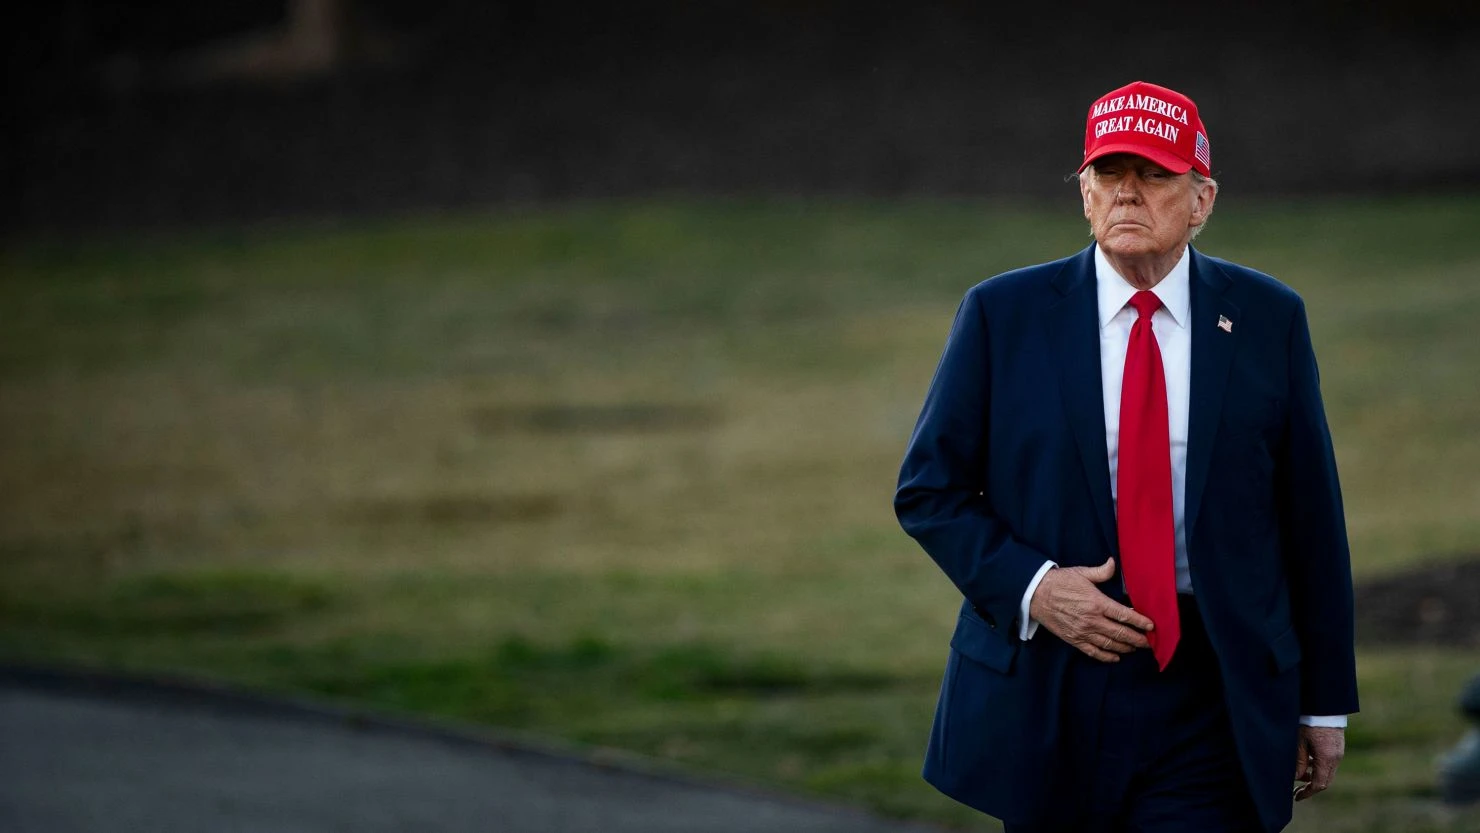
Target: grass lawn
[621,473]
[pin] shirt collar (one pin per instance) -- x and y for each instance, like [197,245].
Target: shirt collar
[1114,293]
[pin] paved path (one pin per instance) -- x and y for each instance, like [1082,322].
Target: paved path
[84,755]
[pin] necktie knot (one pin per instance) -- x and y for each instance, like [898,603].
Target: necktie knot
[1145,303]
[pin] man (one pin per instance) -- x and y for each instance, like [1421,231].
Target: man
[1123,463]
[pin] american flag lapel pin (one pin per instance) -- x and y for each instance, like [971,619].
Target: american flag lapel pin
[1224,324]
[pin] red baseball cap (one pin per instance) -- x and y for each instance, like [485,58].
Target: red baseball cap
[1150,121]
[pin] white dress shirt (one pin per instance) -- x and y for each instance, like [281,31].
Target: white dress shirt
[1172,327]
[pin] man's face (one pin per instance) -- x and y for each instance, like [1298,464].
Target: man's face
[1135,207]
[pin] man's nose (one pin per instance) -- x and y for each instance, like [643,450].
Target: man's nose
[1129,190]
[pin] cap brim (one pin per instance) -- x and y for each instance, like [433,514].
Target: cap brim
[1160,157]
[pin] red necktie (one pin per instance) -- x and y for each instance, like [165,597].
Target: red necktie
[1143,506]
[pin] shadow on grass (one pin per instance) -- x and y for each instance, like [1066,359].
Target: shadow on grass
[1426,604]
[521,680]
[174,604]
[633,417]
[451,509]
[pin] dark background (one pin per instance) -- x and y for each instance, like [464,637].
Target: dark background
[169,113]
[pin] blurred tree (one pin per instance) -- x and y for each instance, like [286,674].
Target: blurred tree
[315,37]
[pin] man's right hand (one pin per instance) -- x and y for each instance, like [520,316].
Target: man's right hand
[1067,602]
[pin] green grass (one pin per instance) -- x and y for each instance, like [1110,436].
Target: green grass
[620,473]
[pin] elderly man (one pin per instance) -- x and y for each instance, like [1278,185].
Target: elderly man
[1123,463]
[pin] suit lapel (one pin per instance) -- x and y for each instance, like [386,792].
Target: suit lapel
[1074,331]
[1212,355]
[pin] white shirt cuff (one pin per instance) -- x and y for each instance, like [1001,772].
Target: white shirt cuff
[1028,627]
[1322,721]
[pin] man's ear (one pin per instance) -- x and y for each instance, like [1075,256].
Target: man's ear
[1084,195]
[1202,205]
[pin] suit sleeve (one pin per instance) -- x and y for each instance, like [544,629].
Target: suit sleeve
[1313,527]
[943,500]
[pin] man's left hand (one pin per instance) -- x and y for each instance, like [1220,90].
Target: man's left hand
[1317,755]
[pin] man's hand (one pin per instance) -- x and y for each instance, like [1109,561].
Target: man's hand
[1067,602]
[1317,755]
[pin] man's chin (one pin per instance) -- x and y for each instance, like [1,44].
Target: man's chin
[1127,245]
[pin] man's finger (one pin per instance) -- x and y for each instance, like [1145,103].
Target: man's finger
[1125,635]
[1094,651]
[1325,771]
[1110,644]
[1319,773]
[1106,642]
[1102,573]
[1128,616]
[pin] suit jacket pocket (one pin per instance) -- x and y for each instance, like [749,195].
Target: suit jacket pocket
[978,642]
[1284,651]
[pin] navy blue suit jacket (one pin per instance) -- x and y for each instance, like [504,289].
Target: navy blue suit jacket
[1007,468]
